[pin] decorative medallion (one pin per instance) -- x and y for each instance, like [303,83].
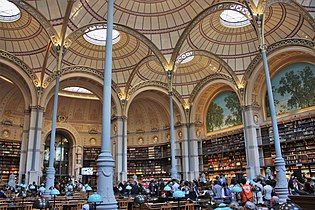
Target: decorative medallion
[256,118]
[92,141]
[5,134]
[180,134]
[140,140]
[155,139]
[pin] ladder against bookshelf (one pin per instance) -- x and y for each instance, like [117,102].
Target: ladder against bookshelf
[297,144]
[9,158]
[224,155]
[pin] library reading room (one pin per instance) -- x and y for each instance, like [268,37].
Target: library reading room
[157,104]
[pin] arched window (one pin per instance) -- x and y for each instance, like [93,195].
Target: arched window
[62,155]
[293,88]
[224,111]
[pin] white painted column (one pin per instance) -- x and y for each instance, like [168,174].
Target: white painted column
[185,155]
[251,142]
[33,169]
[121,149]
[194,155]
[24,145]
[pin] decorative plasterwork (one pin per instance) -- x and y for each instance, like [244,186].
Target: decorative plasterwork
[297,7]
[134,72]
[155,84]
[76,34]
[206,81]
[10,57]
[274,47]
[80,69]
[40,18]
[214,8]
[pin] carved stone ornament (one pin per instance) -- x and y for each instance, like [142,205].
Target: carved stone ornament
[5,134]
[140,141]
[155,139]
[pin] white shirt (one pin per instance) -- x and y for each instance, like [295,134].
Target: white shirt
[268,190]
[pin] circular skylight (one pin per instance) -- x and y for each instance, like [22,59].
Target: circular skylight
[8,11]
[185,57]
[77,90]
[233,18]
[97,35]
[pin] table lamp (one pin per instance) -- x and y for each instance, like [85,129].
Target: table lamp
[54,192]
[95,199]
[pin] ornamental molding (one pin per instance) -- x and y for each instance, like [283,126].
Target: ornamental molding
[231,5]
[207,80]
[274,47]
[299,8]
[40,18]
[159,84]
[10,57]
[81,69]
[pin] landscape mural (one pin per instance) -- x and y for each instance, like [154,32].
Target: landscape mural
[293,88]
[224,111]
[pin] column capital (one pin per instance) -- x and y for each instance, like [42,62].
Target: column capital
[251,107]
[35,107]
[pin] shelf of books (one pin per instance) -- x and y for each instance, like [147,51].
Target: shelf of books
[224,155]
[150,161]
[297,139]
[9,158]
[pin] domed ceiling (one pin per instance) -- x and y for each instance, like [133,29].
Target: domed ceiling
[151,34]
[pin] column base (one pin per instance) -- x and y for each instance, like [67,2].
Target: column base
[281,188]
[105,165]
[33,176]
[50,178]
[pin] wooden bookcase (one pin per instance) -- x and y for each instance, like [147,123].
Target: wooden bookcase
[149,161]
[224,155]
[297,143]
[9,158]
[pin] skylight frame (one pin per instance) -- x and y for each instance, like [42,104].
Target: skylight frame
[97,35]
[9,12]
[234,17]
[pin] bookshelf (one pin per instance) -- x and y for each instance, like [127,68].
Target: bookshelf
[90,155]
[9,158]
[224,155]
[150,161]
[297,143]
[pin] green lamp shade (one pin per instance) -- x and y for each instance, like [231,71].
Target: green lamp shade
[95,198]
[42,189]
[167,188]
[178,194]
[54,192]
[88,188]
[128,187]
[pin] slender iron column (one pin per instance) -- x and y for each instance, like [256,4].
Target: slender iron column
[105,161]
[50,173]
[282,183]
[174,173]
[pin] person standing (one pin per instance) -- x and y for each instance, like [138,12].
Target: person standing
[267,193]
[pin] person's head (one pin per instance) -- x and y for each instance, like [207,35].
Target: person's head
[215,182]
[250,206]
[243,180]
[234,205]
[268,182]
